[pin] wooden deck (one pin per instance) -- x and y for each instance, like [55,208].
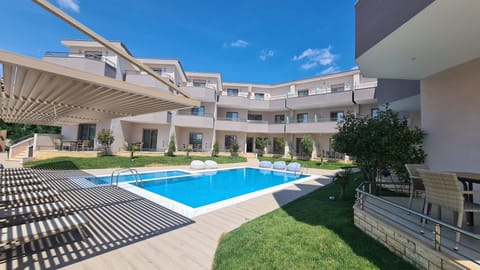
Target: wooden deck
[129,232]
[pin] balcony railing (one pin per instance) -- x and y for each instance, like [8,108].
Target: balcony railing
[80,55]
[195,114]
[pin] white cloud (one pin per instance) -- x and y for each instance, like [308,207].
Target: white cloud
[354,67]
[315,57]
[264,54]
[329,70]
[69,4]
[238,44]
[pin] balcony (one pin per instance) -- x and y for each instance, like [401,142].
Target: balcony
[206,94]
[241,102]
[327,126]
[143,79]
[96,65]
[150,118]
[228,124]
[188,119]
[264,127]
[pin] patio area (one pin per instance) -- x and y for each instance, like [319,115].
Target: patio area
[126,231]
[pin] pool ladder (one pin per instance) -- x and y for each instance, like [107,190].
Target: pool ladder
[118,172]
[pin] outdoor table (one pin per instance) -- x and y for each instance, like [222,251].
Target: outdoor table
[468,179]
[71,143]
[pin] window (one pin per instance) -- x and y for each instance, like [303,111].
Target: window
[374,113]
[196,140]
[199,83]
[86,132]
[302,117]
[230,140]
[280,119]
[336,116]
[232,92]
[199,111]
[259,96]
[255,117]
[338,88]
[149,139]
[303,93]
[232,116]
[95,55]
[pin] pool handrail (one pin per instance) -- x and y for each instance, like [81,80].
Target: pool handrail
[134,173]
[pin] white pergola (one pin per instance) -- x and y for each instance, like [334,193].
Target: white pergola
[39,92]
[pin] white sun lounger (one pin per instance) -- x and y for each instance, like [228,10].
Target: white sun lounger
[197,165]
[32,197]
[210,164]
[19,235]
[279,165]
[34,210]
[23,189]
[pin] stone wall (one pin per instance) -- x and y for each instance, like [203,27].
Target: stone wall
[405,245]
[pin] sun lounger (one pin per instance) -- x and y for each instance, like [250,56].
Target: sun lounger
[30,198]
[34,210]
[20,182]
[23,189]
[279,165]
[210,164]
[265,164]
[294,167]
[19,235]
[197,165]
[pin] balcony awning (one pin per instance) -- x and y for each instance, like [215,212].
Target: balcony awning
[38,92]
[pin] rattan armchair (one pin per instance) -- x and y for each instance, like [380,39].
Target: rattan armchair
[416,183]
[444,190]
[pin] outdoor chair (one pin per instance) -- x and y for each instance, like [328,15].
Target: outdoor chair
[197,165]
[443,190]
[19,235]
[265,164]
[210,164]
[294,167]
[58,144]
[23,189]
[279,165]
[29,198]
[11,214]
[416,183]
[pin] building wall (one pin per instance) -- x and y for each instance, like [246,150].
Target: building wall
[451,118]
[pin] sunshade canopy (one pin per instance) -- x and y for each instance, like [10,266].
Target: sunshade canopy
[39,92]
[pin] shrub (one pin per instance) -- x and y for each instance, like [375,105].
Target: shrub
[344,178]
[291,154]
[132,148]
[105,138]
[188,150]
[380,143]
[171,147]
[279,145]
[234,149]
[260,144]
[306,146]
[215,150]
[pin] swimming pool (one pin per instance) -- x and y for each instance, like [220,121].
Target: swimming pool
[101,180]
[201,189]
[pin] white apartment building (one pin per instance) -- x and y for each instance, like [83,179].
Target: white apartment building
[229,112]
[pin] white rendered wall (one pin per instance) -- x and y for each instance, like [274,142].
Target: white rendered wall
[450,104]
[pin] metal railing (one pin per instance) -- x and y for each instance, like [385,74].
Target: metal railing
[364,192]
[80,55]
[132,171]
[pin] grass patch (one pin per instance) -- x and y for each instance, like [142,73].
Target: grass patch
[309,233]
[71,163]
[314,164]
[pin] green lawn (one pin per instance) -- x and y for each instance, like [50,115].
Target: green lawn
[309,233]
[315,164]
[70,163]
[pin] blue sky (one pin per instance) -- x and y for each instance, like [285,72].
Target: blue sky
[262,41]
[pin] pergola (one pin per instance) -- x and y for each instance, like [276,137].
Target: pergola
[39,92]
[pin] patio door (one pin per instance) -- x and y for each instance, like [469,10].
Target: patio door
[86,132]
[149,139]
[196,140]
[249,144]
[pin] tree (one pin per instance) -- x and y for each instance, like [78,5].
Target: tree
[260,144]
[384,142]
[306,146]
[171,147]
[132,148]
[188,150]
[343,178]
[105,138]
[215,150]
[279,145]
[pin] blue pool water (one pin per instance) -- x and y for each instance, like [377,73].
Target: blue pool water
[144,176]
[209,187]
